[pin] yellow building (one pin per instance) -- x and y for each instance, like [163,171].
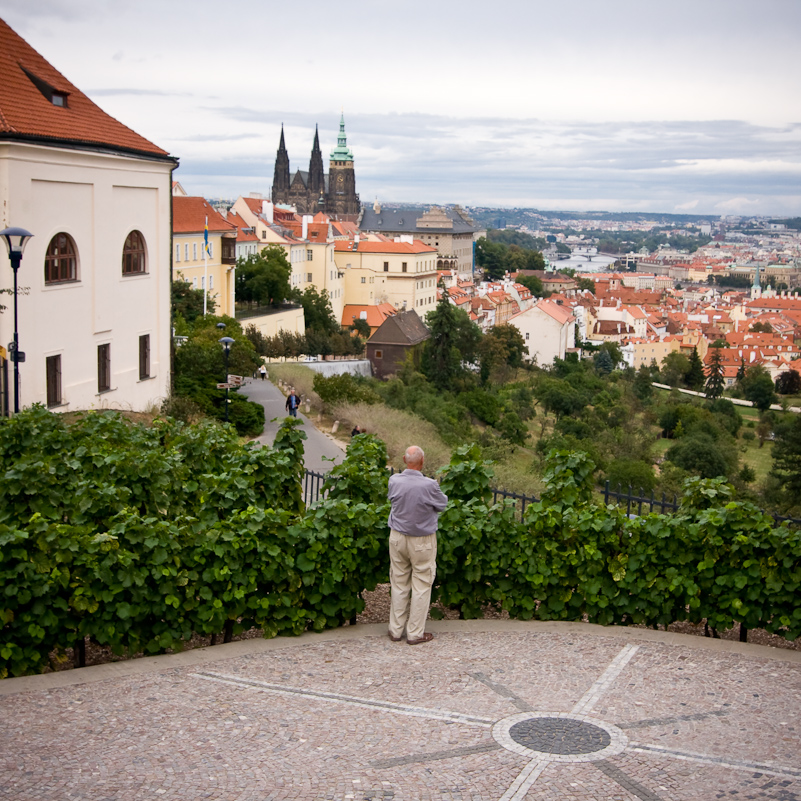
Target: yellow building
[215,274]
[401,273]
[308,243]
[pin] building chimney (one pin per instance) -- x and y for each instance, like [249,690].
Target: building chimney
[267,211]
[307,218]
[356,242]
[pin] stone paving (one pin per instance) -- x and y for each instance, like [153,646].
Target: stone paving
[497,710]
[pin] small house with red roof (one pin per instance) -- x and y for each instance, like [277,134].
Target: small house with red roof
[548,329]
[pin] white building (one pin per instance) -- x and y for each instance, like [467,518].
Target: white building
[94,323]
[548,330]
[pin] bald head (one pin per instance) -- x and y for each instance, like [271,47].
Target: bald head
[414,457]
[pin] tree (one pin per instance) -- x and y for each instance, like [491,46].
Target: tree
[585,284]
[758,387]
[317,311]
[199,364]
[741,371]
[614,351]
[264,278]
[789,383]
[361,327]
[491,257]
[559,397]
[441,360]
[715,382]
[674,367]
[695,374]
[787,458]
[187,303]
[699,455]
[761,328]
[642,383]
[603,363]
[533,284]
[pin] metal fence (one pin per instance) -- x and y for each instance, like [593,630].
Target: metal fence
[635,504]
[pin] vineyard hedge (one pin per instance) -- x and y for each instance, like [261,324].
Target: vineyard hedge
[142,537]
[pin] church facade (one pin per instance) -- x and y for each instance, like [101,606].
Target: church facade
[314,190]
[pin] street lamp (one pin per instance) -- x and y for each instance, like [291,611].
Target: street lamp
[226,343]
[16,239]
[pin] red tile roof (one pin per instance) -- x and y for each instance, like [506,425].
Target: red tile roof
[189,216]
[375,315]
[385,247]
[27,112]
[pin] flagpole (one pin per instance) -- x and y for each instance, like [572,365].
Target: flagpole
[205,265]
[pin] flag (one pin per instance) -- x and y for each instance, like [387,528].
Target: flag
[206,235]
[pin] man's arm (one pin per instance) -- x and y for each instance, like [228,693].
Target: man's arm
[438,499]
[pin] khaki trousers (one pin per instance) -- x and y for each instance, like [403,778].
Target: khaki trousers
[412,568]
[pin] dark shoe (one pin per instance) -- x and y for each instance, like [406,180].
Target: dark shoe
[394,639]
[427,637]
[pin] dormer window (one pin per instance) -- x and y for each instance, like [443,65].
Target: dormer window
[58,97]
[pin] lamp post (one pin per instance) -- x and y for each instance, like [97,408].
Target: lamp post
[16,239]
[226,343]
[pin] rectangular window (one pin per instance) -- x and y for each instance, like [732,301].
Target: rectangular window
[379,354]
[309,255]
[363,280]
[177,253]
[203,282]
[194,283]
[186,252]
[264,234]
[403,267]
[103,368]
[386,266]
[526,334]
[144,357]
[211,282]
[194,251]
[211,249]
[53,367]
[308,278]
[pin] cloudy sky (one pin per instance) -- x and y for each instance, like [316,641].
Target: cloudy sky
[622,105]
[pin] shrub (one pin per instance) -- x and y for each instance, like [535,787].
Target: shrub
[632,473]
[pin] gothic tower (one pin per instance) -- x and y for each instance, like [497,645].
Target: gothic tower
[316,171]
[281,174]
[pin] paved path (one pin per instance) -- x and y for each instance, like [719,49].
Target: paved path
[490,710]
[321,452]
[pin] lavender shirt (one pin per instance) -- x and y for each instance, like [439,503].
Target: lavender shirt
[416,503]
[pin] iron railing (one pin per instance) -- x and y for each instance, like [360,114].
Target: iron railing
[636,505]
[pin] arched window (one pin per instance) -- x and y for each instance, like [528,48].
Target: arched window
[133,254]
[61,263]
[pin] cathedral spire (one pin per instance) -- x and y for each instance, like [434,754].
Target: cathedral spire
[316,169]
[281,174]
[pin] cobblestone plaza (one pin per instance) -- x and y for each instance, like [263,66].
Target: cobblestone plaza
[495,710]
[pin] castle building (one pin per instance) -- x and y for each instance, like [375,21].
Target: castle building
[312,191]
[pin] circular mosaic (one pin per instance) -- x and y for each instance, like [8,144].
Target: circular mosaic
[560,736]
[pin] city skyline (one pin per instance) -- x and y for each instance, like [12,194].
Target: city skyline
[680,107]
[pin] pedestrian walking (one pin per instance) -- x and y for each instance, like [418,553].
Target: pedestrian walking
[416,503]
[263,372]
[292,403]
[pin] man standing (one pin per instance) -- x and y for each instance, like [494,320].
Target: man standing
[416,504]
[292,403]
